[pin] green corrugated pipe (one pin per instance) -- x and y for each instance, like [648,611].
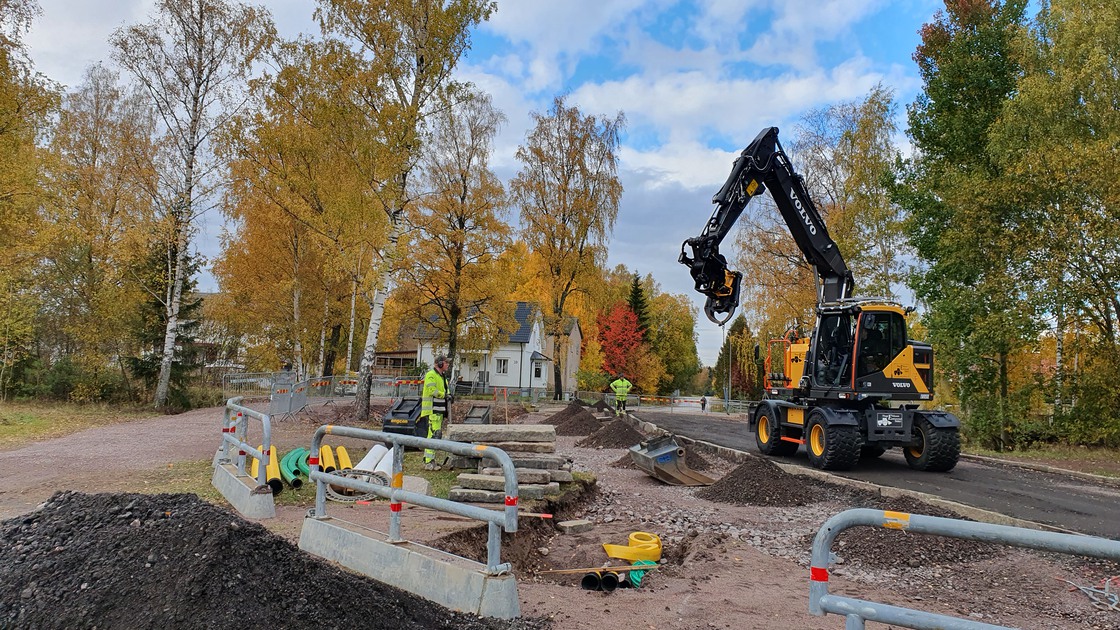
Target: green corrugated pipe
[288,470]
[301,462]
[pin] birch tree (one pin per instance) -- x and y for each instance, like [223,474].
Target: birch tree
[459,271]
[568,191]
[192,58]
[410,49]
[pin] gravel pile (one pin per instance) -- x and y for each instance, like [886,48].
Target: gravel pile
[617,434]
[882,548]
[173,560]
[695,460]
[759,482]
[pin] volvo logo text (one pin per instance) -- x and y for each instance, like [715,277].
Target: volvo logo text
[804,215]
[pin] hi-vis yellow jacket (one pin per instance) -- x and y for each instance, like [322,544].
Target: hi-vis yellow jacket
[621,388]
[434,401]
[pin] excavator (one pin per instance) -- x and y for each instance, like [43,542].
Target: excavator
[852,388]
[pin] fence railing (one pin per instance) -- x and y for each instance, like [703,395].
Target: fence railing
[235,430]
[395,492]
[857,611]
[671,403]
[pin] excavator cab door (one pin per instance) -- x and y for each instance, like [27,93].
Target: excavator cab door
[835,343]
[882,337]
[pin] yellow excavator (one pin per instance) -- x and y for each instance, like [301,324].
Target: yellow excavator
[852,388]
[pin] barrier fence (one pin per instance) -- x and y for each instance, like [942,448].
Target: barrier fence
[497,521]
[671,403]
[857,611]
[235,431]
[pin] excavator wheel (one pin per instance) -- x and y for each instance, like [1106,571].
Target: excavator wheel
[831,447]
[768,435]
[934,449]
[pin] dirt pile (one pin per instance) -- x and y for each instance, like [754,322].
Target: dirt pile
[582,423]
[617,434]
[883,548]
[173,560]
[560,417]
[601,405]
[759,482]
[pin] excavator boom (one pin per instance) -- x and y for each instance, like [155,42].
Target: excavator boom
[763,164]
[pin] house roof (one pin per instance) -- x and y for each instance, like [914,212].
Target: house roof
[524,316]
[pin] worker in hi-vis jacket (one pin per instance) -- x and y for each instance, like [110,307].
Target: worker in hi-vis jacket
[621,388]
[434,406]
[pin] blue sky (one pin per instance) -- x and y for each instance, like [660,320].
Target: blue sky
[696,81]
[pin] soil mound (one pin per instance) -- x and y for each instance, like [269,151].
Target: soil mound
[581,423]
[565,414]
[601,405]
[758,482]
[882,548]
[173,560]
[617,434]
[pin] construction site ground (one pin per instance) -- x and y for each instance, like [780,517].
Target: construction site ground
[735,554]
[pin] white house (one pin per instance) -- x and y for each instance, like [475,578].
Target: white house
[524,362]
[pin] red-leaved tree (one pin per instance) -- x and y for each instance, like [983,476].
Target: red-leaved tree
[620,338]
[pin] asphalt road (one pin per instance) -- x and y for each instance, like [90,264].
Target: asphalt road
[1064,501]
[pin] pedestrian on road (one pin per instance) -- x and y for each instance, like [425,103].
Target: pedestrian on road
[433,406]
[703,403]
[621,388]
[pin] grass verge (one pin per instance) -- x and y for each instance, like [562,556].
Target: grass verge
[1097,461]
[24,422]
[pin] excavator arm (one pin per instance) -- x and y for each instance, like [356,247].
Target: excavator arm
[763,164]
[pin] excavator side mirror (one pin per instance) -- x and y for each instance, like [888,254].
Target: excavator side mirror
[757,352]
[908,310]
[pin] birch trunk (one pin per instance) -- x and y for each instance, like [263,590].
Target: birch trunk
[377,310]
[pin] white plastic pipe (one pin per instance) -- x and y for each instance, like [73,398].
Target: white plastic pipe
[372,458]
[384,468]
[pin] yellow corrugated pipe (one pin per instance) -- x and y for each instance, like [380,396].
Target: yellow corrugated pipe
[643,546]
[343,458]
[326,459]
[254,464]
[272,472]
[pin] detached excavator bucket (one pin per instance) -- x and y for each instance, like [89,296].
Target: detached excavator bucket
[663,459]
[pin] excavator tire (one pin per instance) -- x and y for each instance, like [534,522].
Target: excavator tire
[935,449]
[768,434]
[831,447]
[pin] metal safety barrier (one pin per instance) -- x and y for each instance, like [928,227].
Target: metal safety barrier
[235,430]
[251,497]
[496,520]
[857,611]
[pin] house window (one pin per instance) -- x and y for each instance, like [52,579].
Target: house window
[474,364]
[502,366]
[537,370]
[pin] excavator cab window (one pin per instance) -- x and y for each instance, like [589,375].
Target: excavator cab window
[835,337]
[882,338]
